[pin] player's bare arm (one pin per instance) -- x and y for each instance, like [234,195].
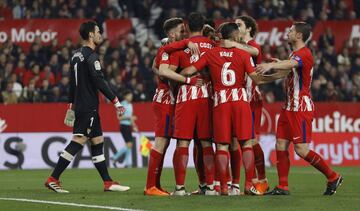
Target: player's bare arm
[167,72]
[188,71]
[262,79]
[156,71]
[180,45]
[243,46]
[280,65]
[279,74]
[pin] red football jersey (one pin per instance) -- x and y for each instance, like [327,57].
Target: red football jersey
[163,93]
[227,70]
[184,59]
[252,89]
[298,82]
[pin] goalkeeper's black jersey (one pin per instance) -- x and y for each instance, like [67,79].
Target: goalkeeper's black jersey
[86,79]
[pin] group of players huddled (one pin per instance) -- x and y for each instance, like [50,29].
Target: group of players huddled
[207,92]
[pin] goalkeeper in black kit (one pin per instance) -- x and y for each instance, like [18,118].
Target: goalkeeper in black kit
[85,82]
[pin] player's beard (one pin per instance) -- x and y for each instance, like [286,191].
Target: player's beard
[98,41]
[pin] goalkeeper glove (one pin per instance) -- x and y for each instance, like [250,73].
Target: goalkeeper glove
[69,117]
[119,108]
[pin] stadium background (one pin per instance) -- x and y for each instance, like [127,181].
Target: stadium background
[38,36]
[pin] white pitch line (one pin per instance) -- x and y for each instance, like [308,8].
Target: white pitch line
[68,204]
[314,172]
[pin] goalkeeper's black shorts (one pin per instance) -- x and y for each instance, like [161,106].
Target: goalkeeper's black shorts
[87,124]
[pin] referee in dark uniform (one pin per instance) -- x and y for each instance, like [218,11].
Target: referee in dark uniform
[86,80]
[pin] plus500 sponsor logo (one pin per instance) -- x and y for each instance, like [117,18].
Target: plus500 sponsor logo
[22,35]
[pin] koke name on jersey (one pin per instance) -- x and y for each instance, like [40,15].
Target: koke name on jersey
[226,54]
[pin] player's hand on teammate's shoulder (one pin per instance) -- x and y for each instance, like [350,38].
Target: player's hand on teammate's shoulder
[194,48]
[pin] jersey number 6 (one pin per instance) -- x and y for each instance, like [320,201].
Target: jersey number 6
[227,75]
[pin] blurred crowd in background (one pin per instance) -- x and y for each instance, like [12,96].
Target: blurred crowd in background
[42,74]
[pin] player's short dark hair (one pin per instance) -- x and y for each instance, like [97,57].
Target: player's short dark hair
[172,23]
[249,23]
[196,22]
[227,29]
[303,28]
[218,30]
[86,28]
[210,22]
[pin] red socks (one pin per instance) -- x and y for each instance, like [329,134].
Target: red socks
[283,167]
[153,168]
[228,176]
[222,164]
[158,176]
[316,160]
[180,160]
[199,162]
[235,165]
[209,165]
[249,165]
[259,161]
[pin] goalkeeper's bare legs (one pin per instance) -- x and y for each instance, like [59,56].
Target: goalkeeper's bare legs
[157,154]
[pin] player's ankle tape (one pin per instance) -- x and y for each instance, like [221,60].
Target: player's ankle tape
[67,156]
[98,159]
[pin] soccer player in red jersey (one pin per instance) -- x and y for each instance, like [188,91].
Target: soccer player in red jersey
[248,29]
[193,110]
[163,104]
[231,109]
[294,124]
[174,76]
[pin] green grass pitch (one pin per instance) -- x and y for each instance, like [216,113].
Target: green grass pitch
[85,186]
